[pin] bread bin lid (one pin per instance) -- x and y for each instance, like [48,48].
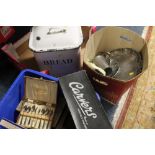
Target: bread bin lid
[48,38]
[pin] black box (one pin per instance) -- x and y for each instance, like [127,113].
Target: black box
[86,110]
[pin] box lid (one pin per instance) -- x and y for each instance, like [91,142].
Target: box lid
[45,38]
[85,108]
[40,90]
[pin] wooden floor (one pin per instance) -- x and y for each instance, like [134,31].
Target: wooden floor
[141,112]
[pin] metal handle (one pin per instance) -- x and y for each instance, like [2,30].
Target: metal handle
[55,31]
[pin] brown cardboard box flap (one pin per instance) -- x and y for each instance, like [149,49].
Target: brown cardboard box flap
[40,90]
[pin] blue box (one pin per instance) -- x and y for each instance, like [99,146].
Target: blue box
[15,93]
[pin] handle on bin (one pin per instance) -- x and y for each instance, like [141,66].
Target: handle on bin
[55,30]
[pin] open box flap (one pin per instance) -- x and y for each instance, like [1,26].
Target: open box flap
[40,90]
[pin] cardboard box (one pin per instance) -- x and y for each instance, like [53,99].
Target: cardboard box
[86,110]
[20,53]
[86,32]
[108,39]
[38,104]
[57,48]
[6,32]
